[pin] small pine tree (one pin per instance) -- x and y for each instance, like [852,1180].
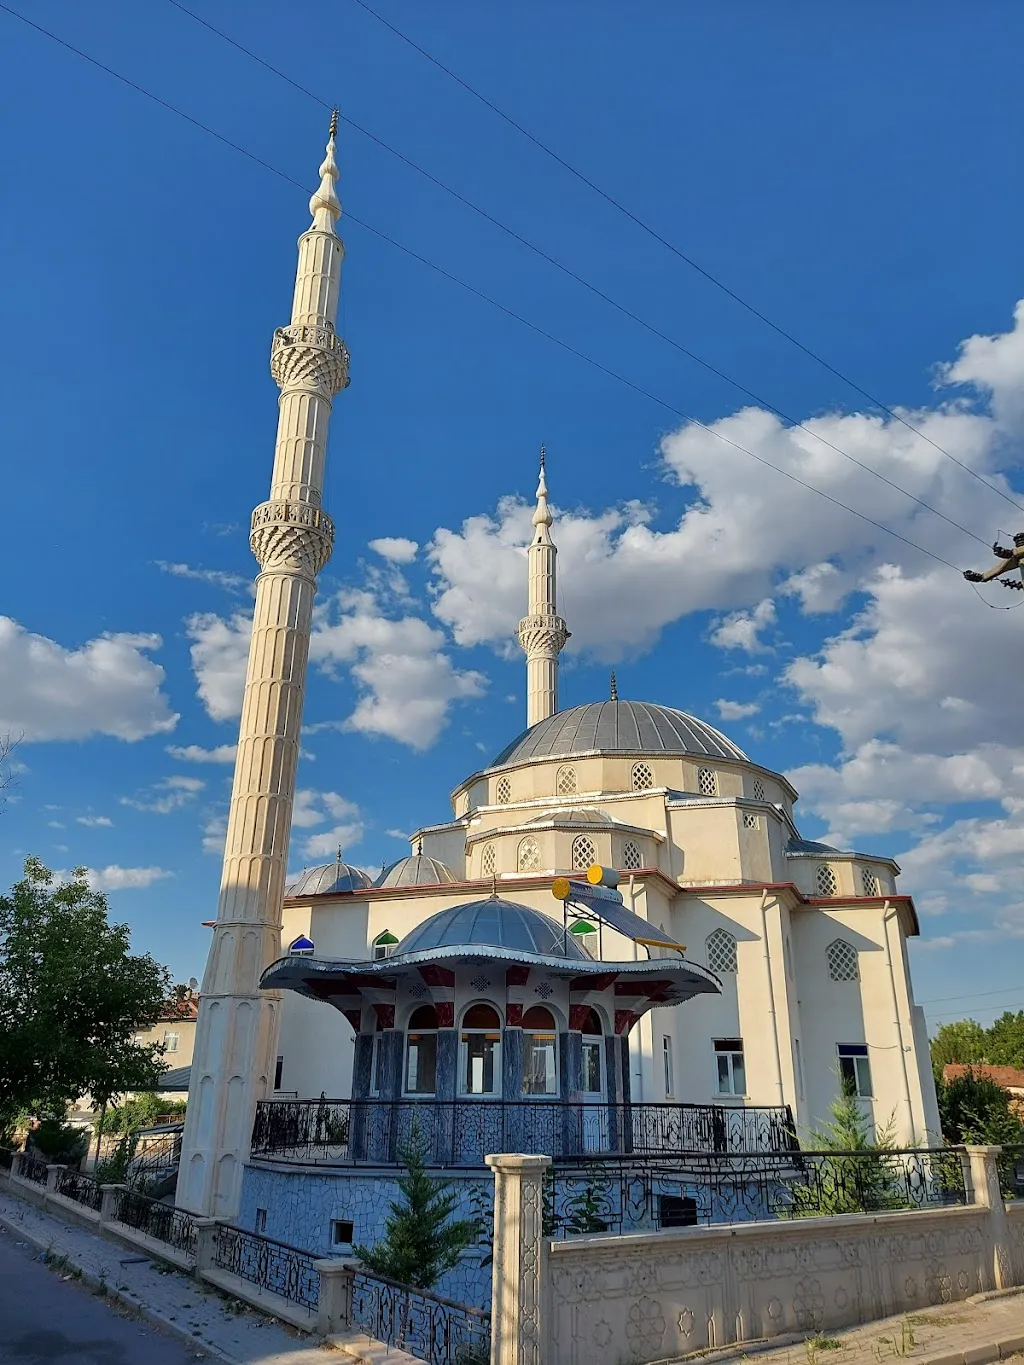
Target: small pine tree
[845,1183]
[421,1241]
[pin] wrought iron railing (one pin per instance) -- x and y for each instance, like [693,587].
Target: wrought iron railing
[621,1194]
[163,1222]
[81,1188]
[428,1326]
[463,1132]
[273,1266]
[33,1167]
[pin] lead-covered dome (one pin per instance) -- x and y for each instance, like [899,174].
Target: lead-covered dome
[492,923]
[416,870]
[632,727]
[328,880]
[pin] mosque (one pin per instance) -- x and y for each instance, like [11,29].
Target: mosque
[618,943]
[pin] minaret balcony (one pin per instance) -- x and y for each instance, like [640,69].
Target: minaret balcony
[313,358]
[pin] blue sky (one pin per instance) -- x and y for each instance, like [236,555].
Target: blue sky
[848,169]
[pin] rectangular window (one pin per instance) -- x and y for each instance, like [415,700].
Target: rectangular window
[421,1064]
[677,1211]
[278,1072]
[261,1220]
[481,1058]
[731,1074]
[666,1058]
[343,1232]
[170,1042]
[854,1069]
[539,1074]
[593,1079]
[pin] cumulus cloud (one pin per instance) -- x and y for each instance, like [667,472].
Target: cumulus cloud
[169,794]
[105,687]
[195,753]
[115,878]
[215,829]
[94,821]
[396,548]
[220,652]
[314,808]
[232,582]
[742,629]
[736,710]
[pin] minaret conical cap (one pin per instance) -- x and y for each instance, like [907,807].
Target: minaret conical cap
[325,206]
[542,515]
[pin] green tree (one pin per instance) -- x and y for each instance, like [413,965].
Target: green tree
[1006,1040]
[72,997]
[421,1239]
[845,1182]
[974,1109]
[965,1042]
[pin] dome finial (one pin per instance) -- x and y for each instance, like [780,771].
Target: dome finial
[325,206]
[419,848]
[613,688]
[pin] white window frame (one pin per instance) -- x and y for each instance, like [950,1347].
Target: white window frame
[730,1052]
[409,1035]
[860,1068]
[668,1064]
[550,1036]
[464,1034]
[169,1035]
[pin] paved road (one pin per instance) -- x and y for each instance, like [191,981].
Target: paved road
[45,1319]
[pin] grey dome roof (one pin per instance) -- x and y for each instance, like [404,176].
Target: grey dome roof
[416,870]
[636,727]
[494,923]
[328,879]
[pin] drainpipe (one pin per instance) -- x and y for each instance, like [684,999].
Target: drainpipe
[771,995]
[891,912]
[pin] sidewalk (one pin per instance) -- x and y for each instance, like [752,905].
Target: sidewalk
[974,1331]
[218,1327]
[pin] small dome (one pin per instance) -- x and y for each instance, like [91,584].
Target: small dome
[328,880]
[416,870]
[575,815]
[492,923]
[631,727]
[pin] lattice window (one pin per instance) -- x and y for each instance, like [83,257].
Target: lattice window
[707,782]
[825,881]
[642,777]
[565,781]
[631,859]
[529,856]
[869,881]
[503,791]
[721,950]
[488,861]
[842,960]
[749,820]
[583,851]
[758,790]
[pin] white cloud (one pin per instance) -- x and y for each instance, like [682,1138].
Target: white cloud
[233,582]
[327,843]
[215,830]
[107,686]
[736,710]
[169,794]
[220,652]
[820,588]
[396,548]
[314,808]
[115,878]
[742,629]
[195,753]
[995,365]
[94,821]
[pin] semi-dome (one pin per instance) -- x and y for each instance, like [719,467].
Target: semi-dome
[416,870]
[328,880]
[492,923]
[632,727]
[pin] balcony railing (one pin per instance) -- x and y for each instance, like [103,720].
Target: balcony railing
[463,1132]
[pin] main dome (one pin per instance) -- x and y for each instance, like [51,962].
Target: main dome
[632,727]
[492,923]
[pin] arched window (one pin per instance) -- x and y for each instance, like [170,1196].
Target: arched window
[540,1052]
[641,778]
[707,782]
[480,1051]
[721,951]
[421,1052]
[503,791]
[631,859]
[384,945]
[757,792]
[869,881]
[825,881]
[842,960]
[583,851]
[593,1054]
[565,780]
[529,855]
[488,861]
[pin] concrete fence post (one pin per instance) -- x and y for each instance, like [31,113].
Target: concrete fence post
[519,1269]
[982,1178]
[334,1305]
[107,1203]
[53,1171]
[206,1244]
[16,1161]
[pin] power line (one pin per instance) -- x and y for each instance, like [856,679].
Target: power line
[977,995]
[478,293]
[572,274]
[676,251]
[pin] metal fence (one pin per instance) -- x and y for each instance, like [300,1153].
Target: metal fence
[625,1194]
[433,1328]
[163,1222]
[33,1167]
[273,1266]
[81,1188]
[463,1132]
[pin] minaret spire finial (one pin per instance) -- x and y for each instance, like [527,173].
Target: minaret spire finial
[334,123]
[614,688]
[325,206]
[542,631]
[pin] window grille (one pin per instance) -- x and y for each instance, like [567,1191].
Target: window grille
[565,781]
[631,859]
[721,951]
[825,881]
[842,960]
[642,777]
[488,861]
[707,782]
[758,791]
[749,820]
[529,856]
[869,882]
[503,791]
[583,851]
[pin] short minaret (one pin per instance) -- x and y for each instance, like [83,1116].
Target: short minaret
[291,537]
[542,631]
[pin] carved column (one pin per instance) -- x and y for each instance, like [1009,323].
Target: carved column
[981,1176]
[520,1271]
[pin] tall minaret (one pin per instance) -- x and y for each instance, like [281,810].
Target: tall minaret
[542,631]
[291,537]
